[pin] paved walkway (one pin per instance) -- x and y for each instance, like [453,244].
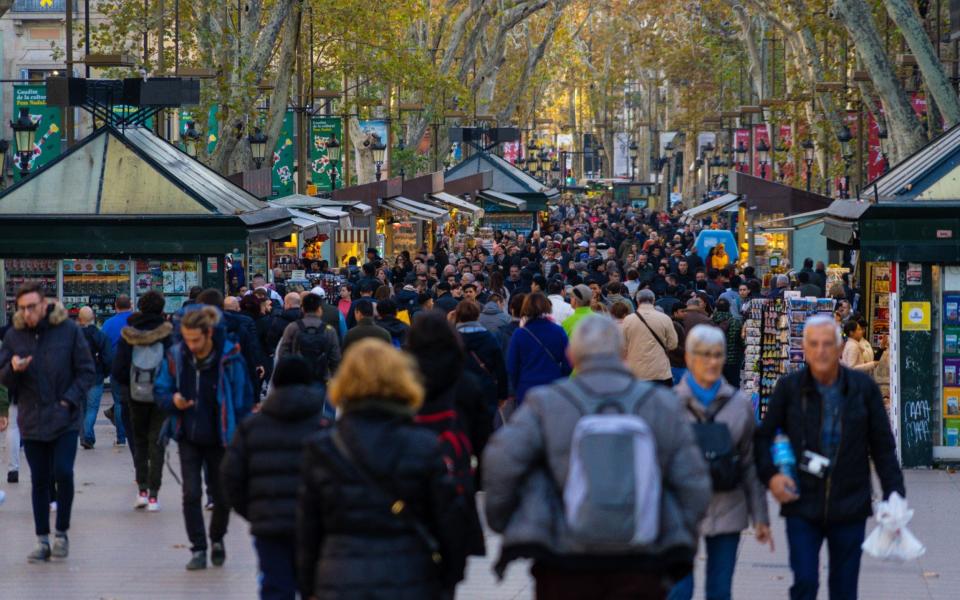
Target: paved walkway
[121,554]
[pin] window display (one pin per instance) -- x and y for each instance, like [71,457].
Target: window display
[94,282]
[21,271]
[173,278]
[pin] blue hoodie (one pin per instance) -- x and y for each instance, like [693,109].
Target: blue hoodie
[234,394]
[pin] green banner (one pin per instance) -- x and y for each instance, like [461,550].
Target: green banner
[46,145]
[321,130]
[282,160]
[211,131]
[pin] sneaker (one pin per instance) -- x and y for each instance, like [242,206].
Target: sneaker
[120,443]
[61,546]
[209,505]
[86,445]
[198,562]
[153,505]
[218,554]
[40,554]
[53,506]
[142,501]
[3,496]
[13,476]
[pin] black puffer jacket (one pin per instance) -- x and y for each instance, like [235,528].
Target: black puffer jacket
[844,495]
[261,470]
[52,392]
[349,544]
[141,330]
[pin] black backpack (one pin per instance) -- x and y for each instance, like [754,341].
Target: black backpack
[311,343]
[717,448]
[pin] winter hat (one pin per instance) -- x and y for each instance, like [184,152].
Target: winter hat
[583,293]
[292,370]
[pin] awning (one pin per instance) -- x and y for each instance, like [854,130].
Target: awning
[354,235]
[840,220]
[713,206]
[354,206]
[270,223]
[418,210]
[816,215]
[504,200]
[311,225]
[452,201]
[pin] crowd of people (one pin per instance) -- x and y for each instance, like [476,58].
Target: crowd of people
[570,374]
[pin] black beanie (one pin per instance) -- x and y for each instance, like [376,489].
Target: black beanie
[292,370]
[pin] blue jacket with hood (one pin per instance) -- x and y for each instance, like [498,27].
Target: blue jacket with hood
[234,393]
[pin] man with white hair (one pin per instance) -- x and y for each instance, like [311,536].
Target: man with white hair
[837,424]
[648,336]
[528,460]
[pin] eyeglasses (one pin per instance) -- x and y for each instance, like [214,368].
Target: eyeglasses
[710,355]
[29,307]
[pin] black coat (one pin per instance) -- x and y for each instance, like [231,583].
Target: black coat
[349,543]
[141,330]
[844,494]
[277,325]
[52,393]
[485,360]
[261,469]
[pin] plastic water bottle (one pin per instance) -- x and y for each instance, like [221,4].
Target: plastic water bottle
[783,457]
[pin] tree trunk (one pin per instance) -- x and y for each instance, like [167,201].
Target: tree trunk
[904,128]
[910,26]
[281,91]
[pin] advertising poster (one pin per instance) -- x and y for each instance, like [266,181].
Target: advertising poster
[951,371]
[211,131]
[951,309]
[916,316]
[322,129]
[951,342]
[46,144]
[951,402]
[378,128]
[511,152]
[284,154]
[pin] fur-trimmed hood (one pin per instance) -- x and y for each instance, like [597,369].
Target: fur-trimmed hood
[56,314]
[146,337]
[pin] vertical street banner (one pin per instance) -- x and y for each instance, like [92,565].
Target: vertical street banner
[46,144]
[322,130]
[211,132]
[284,154]
[378,128]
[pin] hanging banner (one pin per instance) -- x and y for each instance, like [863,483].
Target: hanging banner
[876,164]
[378,128]
[46,144]
[281,182]
[760,133]
[211,130]
[511,152]
[322,130]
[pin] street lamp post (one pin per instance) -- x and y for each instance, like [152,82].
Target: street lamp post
[555,171]
[191,139]
[808,156]
[544,164]
[633,150]
[333,156]
[706,158]
[598,151]
[379,150]
[763,150]
[741,150]
[669,187]
[844,136]
[258,146]
[24,131]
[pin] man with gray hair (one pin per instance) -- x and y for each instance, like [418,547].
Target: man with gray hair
[528,460]
[780,284]
[837,424]
[648,336]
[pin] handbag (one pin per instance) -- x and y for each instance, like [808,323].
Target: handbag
[397,506]
[545,349]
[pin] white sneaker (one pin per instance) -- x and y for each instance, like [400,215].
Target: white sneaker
[153,505]
[53,506]
[141,501]
[3,496]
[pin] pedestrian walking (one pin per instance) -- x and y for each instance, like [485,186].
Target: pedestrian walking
[648,335]
[363,311]
[143,345]
[203,384]
[378,515]
[111,328]
[732,327]
[47,363]
[724,420]
[261,472]
[315,340]
[102,352]
[540,487]
[837,426]
[580,298]
[856,355]
[484,354]
[537,354]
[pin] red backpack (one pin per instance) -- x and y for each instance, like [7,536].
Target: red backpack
[454,446]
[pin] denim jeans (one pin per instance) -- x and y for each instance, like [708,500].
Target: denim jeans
[721,560]
[51,462]
[13,440]
[121,421]
[277,577]
[843,541]
[192,459]
[90,412]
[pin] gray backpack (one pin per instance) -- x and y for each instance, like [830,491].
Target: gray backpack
[611,497]
[144,366]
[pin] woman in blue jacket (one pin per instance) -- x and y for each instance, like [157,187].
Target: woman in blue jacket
[538,349]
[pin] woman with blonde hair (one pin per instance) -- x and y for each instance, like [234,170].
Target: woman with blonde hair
[378,516]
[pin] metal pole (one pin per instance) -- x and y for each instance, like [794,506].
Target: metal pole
[68,110]
[751,222]
[176,37]
[86,35]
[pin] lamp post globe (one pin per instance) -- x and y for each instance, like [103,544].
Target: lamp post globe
[191,139]
[24,133]
[258,146]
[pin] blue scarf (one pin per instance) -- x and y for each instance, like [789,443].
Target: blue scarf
[704,395]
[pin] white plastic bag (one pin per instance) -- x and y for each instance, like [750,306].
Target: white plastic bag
[891,540]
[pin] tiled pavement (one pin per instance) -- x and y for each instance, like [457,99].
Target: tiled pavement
[120,554]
